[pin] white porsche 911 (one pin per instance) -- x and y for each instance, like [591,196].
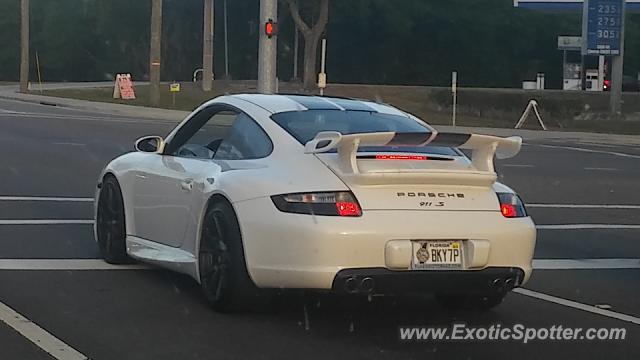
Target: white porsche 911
[254,192]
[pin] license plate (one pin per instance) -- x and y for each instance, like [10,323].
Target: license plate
[437,254]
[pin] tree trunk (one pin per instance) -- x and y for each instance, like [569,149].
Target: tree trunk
[310,61]
[311,36]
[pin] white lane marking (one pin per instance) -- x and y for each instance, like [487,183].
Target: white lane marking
[65,264]
[5,111]
[577,305]
[585,264]
[517,165]
[45,222]
[579,206]
[38,336]
[44,198]
[614,153]
[586,226]
[602,145]
[68,144]
[600,169]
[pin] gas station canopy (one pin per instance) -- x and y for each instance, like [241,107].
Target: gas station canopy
[632,5]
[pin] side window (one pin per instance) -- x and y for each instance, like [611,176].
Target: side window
[245,140]
[202,138]
[223,135]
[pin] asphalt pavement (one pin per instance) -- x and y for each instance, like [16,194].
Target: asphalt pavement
[582,192]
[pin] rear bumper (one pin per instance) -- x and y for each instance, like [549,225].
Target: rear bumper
[308,252]
[382,281]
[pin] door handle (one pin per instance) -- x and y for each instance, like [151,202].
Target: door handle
[186,185]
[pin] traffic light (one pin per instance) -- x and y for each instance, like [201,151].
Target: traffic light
[271,28]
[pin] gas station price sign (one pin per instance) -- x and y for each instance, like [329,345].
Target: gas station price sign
[602,27]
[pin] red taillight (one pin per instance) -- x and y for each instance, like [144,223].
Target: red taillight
[348,209]
[340,203]
[511,206]
[508,210]
[401,157]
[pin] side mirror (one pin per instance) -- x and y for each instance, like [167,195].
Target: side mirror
[150,144]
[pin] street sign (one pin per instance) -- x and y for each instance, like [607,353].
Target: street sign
[322,80]
[602,27]
[174,87]
[454,82]
[570,43]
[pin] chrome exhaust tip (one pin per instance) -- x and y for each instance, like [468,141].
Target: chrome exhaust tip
[350,285]
[367,285]
[509,283]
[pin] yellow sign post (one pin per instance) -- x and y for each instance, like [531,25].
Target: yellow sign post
[174,88]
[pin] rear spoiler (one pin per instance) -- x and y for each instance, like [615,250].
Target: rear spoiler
[484,147]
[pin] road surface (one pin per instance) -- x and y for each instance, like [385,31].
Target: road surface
[55,293]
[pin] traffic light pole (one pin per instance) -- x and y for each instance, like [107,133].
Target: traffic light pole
[226,43]
[207,47]
[267,52]
[155,52]
[24,46]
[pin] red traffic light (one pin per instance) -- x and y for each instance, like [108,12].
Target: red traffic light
[271,28]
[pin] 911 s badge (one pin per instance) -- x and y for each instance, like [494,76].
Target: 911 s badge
[431,195]
[432,204]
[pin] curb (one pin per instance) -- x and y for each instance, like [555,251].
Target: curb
[138,112]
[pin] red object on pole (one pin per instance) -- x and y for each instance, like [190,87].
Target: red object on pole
[270,28]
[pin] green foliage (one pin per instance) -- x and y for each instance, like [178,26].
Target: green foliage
[370,41]
[9,39]
[487,41]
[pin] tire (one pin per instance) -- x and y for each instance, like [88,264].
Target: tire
[224,278]
[473,302]
[110,223]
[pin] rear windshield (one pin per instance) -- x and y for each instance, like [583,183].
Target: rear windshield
[304,125]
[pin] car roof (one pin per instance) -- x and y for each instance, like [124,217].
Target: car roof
[286,103]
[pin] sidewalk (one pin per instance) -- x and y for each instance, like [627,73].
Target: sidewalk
[10,92]
[141,112]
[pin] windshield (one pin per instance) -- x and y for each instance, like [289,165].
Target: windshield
[304,125]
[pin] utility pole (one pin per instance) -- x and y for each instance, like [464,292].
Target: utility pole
[617,65]
[267,50]
[226,44]
[155,52]
[207,46]
[24,46]
[296,46]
